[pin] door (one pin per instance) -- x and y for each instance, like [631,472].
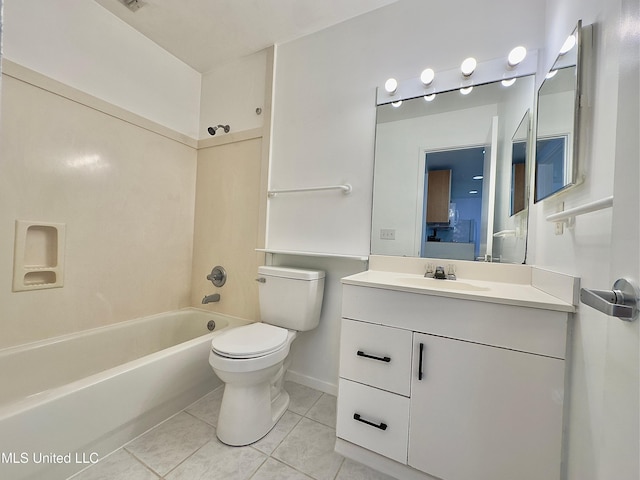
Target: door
[489,192]
[621,410]
[479,412]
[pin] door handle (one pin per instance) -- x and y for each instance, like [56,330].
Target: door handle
[621,301]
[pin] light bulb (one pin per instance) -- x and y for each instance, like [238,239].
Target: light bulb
[509,82]
[569,43]
[468,66]
[427,76]
[430,98]
[391,86]
[466,90]
[478,177]
[397,104]
[516,56]
[473,192]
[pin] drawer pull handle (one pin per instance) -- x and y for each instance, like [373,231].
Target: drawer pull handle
[420,372]
[382,359]
[381,426]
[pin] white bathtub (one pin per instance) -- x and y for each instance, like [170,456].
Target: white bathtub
[70,400]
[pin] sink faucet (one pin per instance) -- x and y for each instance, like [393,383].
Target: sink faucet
[439,274]
[215,297]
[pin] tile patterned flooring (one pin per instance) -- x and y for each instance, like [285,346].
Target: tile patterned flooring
[185,447]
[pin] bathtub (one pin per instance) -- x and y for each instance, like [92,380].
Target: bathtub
[67,401]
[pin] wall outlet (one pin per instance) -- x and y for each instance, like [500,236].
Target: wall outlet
[387,234]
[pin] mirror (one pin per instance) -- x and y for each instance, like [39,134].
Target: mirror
[557,120]
[442,173]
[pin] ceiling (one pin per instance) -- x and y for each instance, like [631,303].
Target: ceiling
[207,33]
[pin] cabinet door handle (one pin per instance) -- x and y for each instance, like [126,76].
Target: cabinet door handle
[382,359]
[420,372]
[381,426]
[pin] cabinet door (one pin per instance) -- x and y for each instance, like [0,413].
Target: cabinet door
[438,196]
[484,413]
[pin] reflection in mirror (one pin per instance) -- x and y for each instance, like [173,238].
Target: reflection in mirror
[555,165]
[519,153]
[448,156]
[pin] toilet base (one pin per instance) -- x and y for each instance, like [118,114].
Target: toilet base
[248,413]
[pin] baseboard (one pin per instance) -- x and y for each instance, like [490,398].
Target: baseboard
[326,387]
[378,462]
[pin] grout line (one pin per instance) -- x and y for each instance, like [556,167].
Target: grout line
[298,416]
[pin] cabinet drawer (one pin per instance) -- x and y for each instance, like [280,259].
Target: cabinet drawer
[374,419]
[376,355]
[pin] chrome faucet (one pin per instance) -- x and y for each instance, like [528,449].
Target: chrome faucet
[439,272]
[215,297]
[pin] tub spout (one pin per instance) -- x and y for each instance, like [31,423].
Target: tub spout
[211,298]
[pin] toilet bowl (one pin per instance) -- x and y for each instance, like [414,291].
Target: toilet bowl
[252,360]
[253,399]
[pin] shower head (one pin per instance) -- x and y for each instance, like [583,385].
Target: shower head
[212,130]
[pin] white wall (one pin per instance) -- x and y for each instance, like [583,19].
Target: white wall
[83,45]
[232,92]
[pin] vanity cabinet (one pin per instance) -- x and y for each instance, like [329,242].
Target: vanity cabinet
[457,389]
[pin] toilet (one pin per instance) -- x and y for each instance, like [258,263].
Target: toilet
[252,359]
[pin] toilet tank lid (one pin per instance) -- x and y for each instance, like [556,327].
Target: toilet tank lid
[288,272]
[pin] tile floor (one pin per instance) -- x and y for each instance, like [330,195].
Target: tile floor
[185,447]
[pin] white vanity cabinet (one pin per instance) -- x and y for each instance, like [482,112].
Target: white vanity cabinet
[470,391]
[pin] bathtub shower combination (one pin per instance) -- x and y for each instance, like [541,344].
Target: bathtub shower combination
[69,400]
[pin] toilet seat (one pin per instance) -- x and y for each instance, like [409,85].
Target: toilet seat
[250,341]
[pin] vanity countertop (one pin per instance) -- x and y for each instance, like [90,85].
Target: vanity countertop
[517,294]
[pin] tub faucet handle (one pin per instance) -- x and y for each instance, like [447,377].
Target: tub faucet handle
[218,276]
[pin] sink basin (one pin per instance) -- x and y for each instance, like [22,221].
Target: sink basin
[425,282]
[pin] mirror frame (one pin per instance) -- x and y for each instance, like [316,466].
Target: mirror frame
[575,147]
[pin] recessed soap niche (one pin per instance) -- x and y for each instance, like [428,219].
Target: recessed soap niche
[38,260]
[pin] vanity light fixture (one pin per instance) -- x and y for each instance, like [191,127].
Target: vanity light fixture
[509,82]
[468,66]
[391,85]
[516,56]
[569,43]
[466,90]
[430,98]
[397,104]
[427,76]
[551,74]
[469,72]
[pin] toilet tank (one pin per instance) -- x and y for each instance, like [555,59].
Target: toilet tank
[290,297]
